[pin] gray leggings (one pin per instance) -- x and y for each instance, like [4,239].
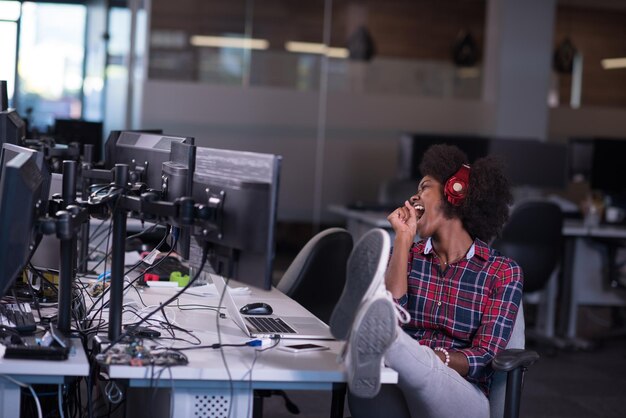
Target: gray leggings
[426,388]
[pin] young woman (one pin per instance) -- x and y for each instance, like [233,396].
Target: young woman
[462,297]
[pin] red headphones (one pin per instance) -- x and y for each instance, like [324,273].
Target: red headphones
[457,185]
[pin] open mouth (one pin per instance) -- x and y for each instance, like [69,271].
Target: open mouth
[420,210]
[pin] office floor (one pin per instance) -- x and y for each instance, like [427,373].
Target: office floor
[563,384]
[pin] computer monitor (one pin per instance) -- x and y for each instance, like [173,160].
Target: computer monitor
[12,127]
[21,185]
[532,163]
[81,131]
[413,146]
[177,180]
[607,160]
[47,254]
[9,151]
[241,246]
[145,154]
[527,162]
[580,158]
[109,145]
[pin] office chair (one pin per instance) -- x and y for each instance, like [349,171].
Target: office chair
[316,277]
[533,237]
[510,366]
[505,391]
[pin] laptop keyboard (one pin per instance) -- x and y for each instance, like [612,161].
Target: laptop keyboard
[270,325]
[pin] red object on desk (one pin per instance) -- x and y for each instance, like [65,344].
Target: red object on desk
[151,277]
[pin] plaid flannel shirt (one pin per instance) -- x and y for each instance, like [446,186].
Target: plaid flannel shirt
[468,308]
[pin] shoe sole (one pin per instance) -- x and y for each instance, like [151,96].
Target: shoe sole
[372,336]
[365,262]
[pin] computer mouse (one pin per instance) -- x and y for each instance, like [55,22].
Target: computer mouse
[256,308]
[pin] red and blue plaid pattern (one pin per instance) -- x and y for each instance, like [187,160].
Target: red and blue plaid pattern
[469,307]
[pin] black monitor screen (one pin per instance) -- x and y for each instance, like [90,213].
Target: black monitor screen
[242,247]
[580,158]
[21,185]
[9,151]
[80,131]
[413,146]
[532,162]
[12,127]
[527,162]
[109,145]
[145,154]
[608,158]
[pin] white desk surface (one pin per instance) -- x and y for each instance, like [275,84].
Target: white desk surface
[40,370]
[271,367]
[577,228]
[376,219]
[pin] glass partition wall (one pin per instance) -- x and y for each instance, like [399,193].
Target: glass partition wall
[374,47]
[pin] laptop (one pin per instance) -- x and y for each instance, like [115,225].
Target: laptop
[287,327]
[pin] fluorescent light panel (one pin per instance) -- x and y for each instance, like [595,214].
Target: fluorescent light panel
[225,42]
[613,63]
[315,48]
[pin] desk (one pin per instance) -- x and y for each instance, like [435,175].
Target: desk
[584,268]
[38,372]
[204,385]
[358,222]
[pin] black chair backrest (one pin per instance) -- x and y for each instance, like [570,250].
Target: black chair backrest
[533,237]
[317,276]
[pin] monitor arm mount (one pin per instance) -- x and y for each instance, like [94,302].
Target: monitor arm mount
[183,212]
[65,223]
[88,174]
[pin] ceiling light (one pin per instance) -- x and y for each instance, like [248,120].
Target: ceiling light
[613,63]
[315,48]
[226,42]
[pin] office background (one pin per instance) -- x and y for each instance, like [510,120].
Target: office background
[335,114]
[335,119]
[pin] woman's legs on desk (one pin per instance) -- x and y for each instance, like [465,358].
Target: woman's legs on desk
[426,387]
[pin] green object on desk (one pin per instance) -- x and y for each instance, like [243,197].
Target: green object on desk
[176,276]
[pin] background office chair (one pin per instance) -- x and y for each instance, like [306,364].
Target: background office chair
[533,237]
[316,277]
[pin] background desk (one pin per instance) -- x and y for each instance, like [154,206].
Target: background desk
[204,385]
[38,372]
[586,270]
[358,222]
[585,265]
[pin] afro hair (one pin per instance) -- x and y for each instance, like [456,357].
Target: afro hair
[485,209]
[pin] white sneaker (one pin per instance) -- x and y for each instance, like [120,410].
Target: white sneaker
[373,332]
[365,277]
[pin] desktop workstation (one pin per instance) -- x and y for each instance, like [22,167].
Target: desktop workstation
[24,183]
[219,203]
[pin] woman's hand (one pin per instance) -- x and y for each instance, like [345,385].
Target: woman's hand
[404,221]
